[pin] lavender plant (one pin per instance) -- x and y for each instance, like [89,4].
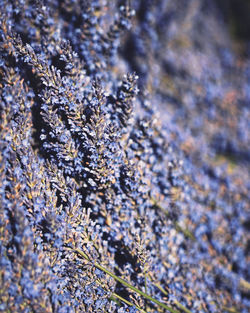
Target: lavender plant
[98,210]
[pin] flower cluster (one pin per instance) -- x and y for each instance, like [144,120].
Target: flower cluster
[114,192]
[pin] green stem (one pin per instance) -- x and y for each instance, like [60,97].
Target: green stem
[176,302]
[123,282]
[187,233]
[160,288]
[182,307]
[115,296]
[244,284]
[128,302]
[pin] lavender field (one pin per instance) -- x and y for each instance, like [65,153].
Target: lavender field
[125,156]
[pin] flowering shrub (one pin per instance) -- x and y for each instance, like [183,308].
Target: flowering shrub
[105,206]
